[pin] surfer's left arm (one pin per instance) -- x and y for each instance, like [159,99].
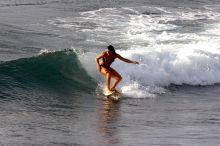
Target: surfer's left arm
[126,60]
[97,61]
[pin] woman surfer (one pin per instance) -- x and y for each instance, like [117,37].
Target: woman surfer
[108,57]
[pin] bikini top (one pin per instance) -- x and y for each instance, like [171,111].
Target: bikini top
[107,59]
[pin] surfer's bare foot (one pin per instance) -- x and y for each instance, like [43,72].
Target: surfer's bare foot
[109,90]
[112,89]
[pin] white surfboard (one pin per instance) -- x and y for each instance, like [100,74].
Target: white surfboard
[114,95]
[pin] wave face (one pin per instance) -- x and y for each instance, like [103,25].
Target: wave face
[56,71]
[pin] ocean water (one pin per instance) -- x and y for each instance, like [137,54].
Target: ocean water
[50,90]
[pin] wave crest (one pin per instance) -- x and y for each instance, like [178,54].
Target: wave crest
[59,71]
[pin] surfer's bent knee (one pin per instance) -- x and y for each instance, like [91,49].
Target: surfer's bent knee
[117,75]
[119,78]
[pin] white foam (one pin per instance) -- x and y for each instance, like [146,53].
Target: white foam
[166,55]
[42,51]
[136,90]
[192,64]
[87,59]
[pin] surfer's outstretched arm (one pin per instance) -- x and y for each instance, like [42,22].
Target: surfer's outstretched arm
[126,60]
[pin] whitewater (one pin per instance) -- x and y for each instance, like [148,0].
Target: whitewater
[167,57]
[51,92]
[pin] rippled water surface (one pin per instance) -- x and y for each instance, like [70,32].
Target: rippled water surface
[50,91]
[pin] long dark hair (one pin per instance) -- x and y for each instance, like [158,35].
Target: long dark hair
[112,49]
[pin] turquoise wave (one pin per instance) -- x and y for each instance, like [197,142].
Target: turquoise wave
[58,71]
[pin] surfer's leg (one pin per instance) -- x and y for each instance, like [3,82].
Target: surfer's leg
[108,76]
[108,80]
[117,78]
